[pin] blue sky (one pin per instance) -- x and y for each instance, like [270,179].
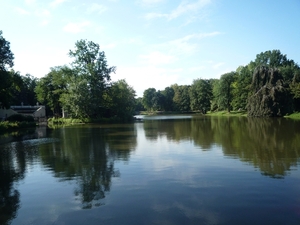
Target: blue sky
[153,43]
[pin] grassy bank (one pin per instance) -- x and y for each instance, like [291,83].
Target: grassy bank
[295,115]
[64,121]
[72,121]
[219,113]
[226,113]
[148,113]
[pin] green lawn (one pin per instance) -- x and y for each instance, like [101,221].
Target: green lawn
[225,113]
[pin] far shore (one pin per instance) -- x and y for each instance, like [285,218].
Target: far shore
[295,115]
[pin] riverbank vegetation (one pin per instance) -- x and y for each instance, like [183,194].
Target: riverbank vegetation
[269,86]
[16,122]
[295,115]
[83,91]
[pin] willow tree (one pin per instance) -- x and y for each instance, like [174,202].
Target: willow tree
[270,95]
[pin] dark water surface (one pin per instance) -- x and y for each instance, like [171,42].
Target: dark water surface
[164,170]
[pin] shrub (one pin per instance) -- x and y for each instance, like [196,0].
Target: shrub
[19,118]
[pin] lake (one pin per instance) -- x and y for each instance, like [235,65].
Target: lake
[180,169]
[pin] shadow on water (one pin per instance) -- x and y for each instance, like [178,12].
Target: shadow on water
[270,144]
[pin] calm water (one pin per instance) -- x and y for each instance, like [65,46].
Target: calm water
[164,170]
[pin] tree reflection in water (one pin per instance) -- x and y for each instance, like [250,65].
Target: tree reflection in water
[87,156]
[14,158]
[270,144]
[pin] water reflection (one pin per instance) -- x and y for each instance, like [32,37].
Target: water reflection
[169,179]
[15,157]
[87,156]
[83,155]
[270,144]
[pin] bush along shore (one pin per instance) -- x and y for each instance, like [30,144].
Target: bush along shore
[17,121]
[6,126]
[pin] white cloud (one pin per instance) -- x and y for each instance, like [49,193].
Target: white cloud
[109,46]
[96,8]
[150,16]
[144,77]
[45,58]
[57,2]
[30,2]
[186,44]
[156,58]
[44,15]
[151,1]
[22,11]
[196,68]
[185,7]
[76,27]
[218,65]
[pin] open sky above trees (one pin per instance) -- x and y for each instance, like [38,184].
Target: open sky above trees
[153,43]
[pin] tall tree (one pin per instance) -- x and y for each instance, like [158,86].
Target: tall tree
[6,56]
[181,97]
[50,89]
[139,104]
[92,76]
[223,91]
[23,90]
[241,87]
[275,59]
[120,100]
[7,79]
[149,99]
[168,93]
[201,95]
[269,94]
[295,90]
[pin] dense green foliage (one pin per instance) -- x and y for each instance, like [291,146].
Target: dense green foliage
[7,126]
[120,100]
[6,56]
[7,78]
[19,118]
[50,88]
[84,89]
[240,89]
[15,89]
[201,94]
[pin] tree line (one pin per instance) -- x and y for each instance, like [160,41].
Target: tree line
[81,90]
[271,83]
[84,88]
